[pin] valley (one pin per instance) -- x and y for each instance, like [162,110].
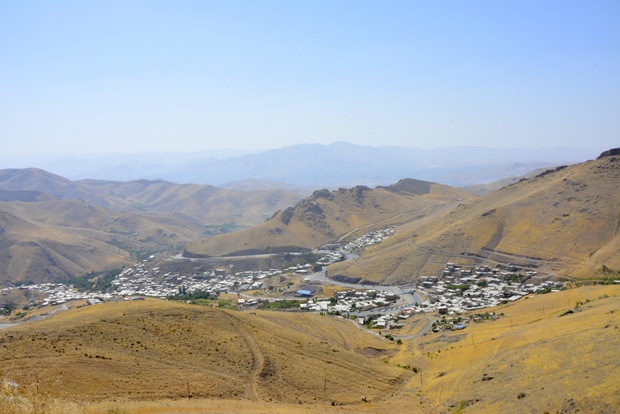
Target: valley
[413,297]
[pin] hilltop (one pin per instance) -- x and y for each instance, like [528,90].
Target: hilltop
[326,216]
[562,221]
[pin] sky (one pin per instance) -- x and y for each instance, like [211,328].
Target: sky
[155,76]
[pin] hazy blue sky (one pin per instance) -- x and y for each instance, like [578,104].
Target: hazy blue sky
[127,76]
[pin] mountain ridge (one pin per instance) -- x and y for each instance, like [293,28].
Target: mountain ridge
[563,221]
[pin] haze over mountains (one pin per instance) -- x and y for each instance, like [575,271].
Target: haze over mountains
[339,164]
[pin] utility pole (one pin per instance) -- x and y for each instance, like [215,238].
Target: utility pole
[188,395]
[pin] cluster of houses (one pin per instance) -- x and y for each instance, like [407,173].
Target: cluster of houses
[352,300]
[54,294]
[337,252]
[460,289]
[140,280]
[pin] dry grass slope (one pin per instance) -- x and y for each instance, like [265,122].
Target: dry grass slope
[325,216]
[52,240]
[565,221]
[151,349]
[536,358]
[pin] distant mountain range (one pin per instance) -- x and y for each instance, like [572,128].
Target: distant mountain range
[336,165]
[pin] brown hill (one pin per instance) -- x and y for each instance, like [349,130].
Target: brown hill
[53,228]
[562,221]
[547,353]
[208,204]
[555,353]
[329,215]
[43,182]
[49,240]
[154,349]
[482,189]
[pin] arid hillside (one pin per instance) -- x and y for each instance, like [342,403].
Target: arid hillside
[153,349]
[563,221]
[208,204]
[327,216]
[45,239]
[555,353]
[52,228]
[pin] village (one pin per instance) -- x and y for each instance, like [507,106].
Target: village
[456,290]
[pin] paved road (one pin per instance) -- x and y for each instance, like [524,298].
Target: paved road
[34,318]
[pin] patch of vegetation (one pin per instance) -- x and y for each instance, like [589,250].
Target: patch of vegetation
[140,255]
[28,282]
[94,281]
[282,304]
[197,294]
[516,278]
[20,315]
[462,288]
[214,303]
[6,309]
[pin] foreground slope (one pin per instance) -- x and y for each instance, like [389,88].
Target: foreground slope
[563,221]
[329,215]
[152,349]
[555,353]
